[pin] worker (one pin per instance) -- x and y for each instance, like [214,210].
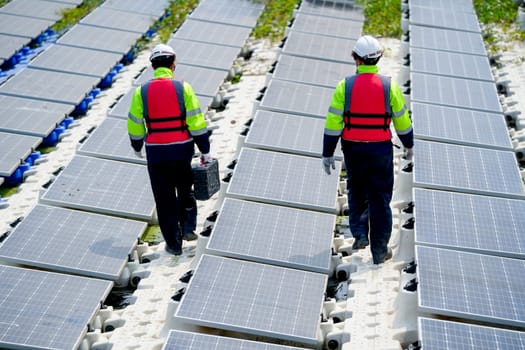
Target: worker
[165,115]
[361,111]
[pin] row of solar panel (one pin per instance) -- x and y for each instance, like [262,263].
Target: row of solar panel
[85,241]
[279,212]
[64,78]
[48,309]
[465,233]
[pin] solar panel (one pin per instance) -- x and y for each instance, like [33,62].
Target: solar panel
[15,149]
[274,235]
[254,298]
[70,241]
[451,5]
[447,40]
[450,64]
[295,98]
[43,310]
[114,19]
[312,71]
[460,126]
[234,13]
[455,92]
[482,224]
[76,60]
[253,4]
[284,179]
[110,140]
[146,7]
[95,38]
[216,33]
[23,26]
[50,86]
[74,2]
[36,9]
[204,54]
[319,47]
[179,340]
[10,45]
[471,286]
[204,81]
[296,134]
[330,8]
[31,117]
[444,18]
[103,186]
[473,170]
[336,27]
[440,334]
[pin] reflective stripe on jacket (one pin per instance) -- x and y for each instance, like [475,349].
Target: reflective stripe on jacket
[367,111]
[164,111]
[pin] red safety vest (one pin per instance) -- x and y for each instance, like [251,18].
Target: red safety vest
[367,112]
[164,111]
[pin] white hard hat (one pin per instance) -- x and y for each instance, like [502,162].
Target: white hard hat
[368,47]
[161,50]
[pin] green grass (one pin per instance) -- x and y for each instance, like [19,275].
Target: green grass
[500,29]
[71,16]
[382,18]
[3,2]
[274,19]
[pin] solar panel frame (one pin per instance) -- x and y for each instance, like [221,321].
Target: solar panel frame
[71,241]
[450,64]
[332,27]
[115,19]
[460,126]
[50,86]
[318,46]
[36,9]
[10,45]
[474,170]
[145,7]
[274,235]
[437,334]
[295,98]
[215,33]
[444,18]
[446,40]
[311,71]
[182,340]
[15,149]
[455,92]
[43,310]
[472,223]
[110,140]
[31,117]
[296,134]
[98,38]
[302,182]
[335,9]
[23,26]
[106,187]
[254,298]
[204,54]
[471,286]
[76,60]
[228,13]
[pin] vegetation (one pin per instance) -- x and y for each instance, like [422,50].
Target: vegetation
[71,16]
[499,23]
[273,21]
[178,10]
[3,2]
[382,17]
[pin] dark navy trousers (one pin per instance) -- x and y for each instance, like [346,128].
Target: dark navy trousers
[370,182]
[172,185]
